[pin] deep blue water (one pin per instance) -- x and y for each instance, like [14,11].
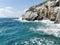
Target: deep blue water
[14,32]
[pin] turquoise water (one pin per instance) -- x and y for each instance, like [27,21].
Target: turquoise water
[14,32]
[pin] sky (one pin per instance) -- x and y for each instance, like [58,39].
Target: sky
[15,8]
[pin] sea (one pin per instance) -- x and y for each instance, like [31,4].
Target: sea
[18,32]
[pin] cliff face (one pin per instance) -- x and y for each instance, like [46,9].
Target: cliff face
[50,9]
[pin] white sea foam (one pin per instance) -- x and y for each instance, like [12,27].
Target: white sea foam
[47,21]
[43,21]
[53,29]
[20,19]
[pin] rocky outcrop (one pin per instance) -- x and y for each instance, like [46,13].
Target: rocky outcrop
[49,9]
[57,15]
[30,16]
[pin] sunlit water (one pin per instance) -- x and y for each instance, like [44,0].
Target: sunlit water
[14,32]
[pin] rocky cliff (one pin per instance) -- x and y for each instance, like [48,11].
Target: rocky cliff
[50,9]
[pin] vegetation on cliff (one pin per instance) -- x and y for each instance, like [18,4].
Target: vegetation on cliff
[33,7]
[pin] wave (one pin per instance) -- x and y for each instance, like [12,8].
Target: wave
[42,21]
[52,29]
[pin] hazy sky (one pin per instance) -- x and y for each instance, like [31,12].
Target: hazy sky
[15,8]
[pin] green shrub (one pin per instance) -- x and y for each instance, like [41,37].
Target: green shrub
[31,9]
